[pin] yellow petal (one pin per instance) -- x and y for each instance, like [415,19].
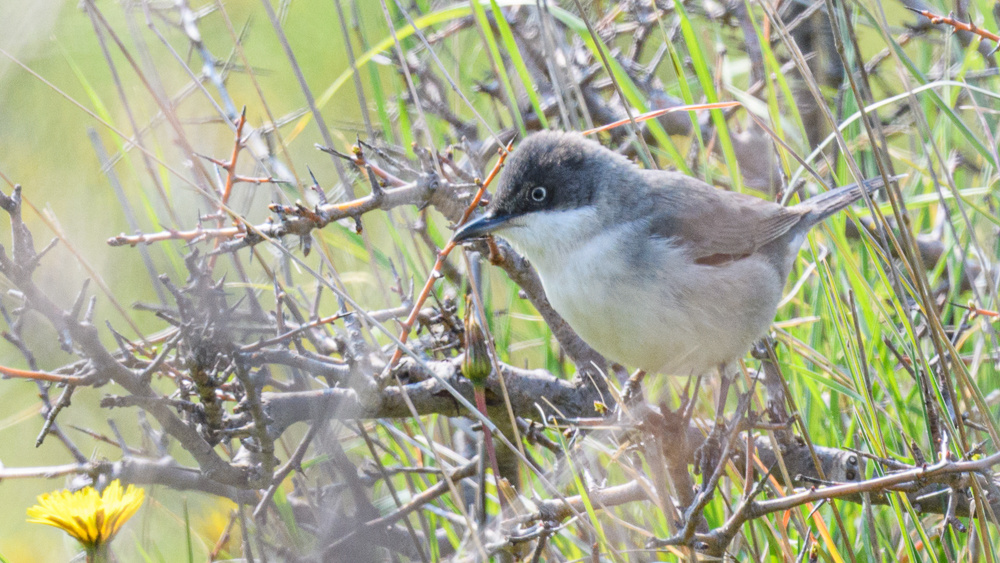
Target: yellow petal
[92,518]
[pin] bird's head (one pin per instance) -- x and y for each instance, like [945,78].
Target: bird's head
[552,184]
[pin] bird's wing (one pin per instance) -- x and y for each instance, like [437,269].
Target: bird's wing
[715,226]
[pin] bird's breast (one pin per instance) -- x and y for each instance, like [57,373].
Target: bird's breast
[644,303]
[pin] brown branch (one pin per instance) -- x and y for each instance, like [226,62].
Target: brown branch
[43,376]
[419,500]
[407,325]
[230,166]
[358,159]
[213,465]
[961,26]
[553,510]
[917,482]
[524,387]
[163,471]
[296,220]
[294,463]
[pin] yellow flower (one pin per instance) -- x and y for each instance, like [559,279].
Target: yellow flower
[92,518]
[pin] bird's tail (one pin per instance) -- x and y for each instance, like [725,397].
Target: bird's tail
[826,204]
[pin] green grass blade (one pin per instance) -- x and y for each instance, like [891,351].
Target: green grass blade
[514,52]
[497,62]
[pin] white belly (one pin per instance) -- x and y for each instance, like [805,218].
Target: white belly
[638,311]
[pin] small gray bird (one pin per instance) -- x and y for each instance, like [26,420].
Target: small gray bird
[653,269]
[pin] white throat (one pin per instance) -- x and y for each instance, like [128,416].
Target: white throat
[548,237]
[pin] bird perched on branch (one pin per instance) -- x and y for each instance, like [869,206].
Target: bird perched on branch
[654,269]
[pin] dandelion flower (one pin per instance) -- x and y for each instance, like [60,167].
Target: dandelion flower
[92,518]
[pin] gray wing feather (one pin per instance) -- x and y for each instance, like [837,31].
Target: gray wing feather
[712,224]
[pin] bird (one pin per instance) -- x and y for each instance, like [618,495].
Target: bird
[654,269]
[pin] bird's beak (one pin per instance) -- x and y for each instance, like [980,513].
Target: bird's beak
[480,227]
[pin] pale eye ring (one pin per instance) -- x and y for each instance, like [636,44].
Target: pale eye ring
[538,194]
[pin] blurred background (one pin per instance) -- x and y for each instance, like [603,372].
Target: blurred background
[46,145]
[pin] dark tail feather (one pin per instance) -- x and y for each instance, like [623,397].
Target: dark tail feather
[826,204]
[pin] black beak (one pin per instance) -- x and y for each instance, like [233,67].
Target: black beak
[480,227]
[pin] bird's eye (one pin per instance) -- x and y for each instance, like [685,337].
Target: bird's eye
[538,194]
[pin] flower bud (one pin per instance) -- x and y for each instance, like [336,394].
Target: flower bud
[476,363]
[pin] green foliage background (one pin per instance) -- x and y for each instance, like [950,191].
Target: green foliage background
[44,146]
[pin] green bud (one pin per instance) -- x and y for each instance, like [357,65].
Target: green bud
[476,363]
